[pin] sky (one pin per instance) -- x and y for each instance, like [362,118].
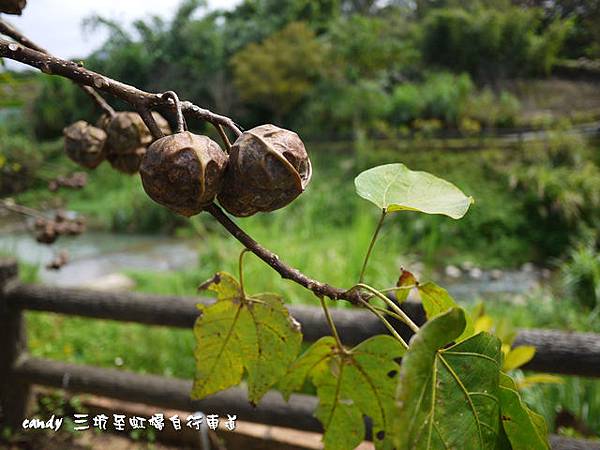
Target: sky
[56,24]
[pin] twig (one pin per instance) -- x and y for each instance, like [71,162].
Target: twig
[331,324]
[146,116]
[178,112]
[387,324]
[287,272]
[371,245]
[224,138]
[407,320]
[10,31]
[241,271]
[20,209]
[136,97]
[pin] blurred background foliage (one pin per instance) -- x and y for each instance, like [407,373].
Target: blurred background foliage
[300,62]
[488,94]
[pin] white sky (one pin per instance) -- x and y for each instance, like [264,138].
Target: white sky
[56,24]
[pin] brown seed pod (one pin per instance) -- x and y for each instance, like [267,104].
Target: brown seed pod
[12,6]
[84,144]
[268,168]
[128,137]
[183,171]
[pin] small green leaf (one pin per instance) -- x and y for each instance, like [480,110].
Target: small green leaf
[518,356]
[236,333]
[538,378]
[436,300]
[394,187]
[350,385]
[523,427]
[448,397]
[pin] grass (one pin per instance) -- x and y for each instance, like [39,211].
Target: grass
[325,233]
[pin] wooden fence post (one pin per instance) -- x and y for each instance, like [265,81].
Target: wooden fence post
[14,394]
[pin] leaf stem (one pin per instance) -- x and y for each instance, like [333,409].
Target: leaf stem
[407,320]
[387,324]
[371,245]
[241,270]
[331,323]
[386,311]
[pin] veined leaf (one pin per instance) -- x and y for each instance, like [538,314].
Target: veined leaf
[394,187]
[518,356]
[236,333]
[350,384]
[436,300]
[448,397]
[523,427]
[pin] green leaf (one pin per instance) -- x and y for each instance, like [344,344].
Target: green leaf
[394,187]
[318,353]
[448,397]
[524,428]
[238,333]
[436,300]
[538,378]
[350,384]
[518,356]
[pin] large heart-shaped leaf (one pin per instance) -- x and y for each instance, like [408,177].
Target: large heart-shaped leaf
[394,187]
[237,332]
[448,397]
[350,384]
[523,427]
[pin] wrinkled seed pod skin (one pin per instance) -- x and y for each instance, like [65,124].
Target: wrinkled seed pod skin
[128,137]
[128,163]
[13,6]
[183,171]
[268,168]
[84,144]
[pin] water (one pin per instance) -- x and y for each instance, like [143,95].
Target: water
[95,255]
[512,284]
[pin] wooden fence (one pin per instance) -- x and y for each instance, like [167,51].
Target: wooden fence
[557,352]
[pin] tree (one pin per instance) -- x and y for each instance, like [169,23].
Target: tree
[278,73]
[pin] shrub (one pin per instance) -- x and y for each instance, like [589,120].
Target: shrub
[560,187]
[493,110]
[440,96]
[581,275]
[19,163]
[492,44]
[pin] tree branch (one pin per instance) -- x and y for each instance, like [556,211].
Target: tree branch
[287,272]
[10,31]
[136,97]
[141,101]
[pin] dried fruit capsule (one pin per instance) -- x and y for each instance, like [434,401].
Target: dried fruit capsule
[84,144]
[127,139]
[12,6]
[268,168]
[183,171]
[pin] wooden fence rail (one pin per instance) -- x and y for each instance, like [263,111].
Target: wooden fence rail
[557,352]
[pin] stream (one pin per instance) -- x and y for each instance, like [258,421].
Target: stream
[94,256]
[97,258]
